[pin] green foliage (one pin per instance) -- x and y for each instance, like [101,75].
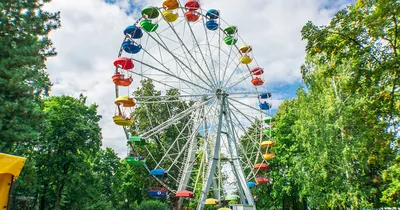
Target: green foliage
[24,48]
[337,143]
[152,205]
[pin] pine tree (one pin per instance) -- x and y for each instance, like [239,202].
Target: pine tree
[24,48]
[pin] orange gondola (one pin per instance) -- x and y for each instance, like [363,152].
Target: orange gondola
[120,80]
[257,81]
[261,166]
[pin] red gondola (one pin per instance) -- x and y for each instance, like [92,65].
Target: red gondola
[124,63]
[257,71]
[184,194]
[192,5]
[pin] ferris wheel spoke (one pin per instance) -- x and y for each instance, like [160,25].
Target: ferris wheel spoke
[240,80]
[160,82]
[178,61]
[173,144]
[248,106]
[209,83]
[179,116]
[241,125]
[209,47]
[191,55]
[172,75]
[198,46]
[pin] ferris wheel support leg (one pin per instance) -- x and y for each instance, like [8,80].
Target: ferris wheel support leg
[187,170]
[211,170]
[241,179]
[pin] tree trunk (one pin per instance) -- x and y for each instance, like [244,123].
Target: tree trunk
[42,203]
[59,195]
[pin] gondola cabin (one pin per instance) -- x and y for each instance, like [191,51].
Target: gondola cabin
[138,161]
[251,184]
[148,26]
[170,4]
[245,49]
[134,32]
[261,166]
[192,16]
[231,198]
[120,80]
[137,140]
[131,47]
[159,173]
[125,101]
[211,201]
[150,12]
[123,63]
[265,106]
[265,95]
[269,132]
[262,180]
[246,60]
[192,5]
[212,14]
[257,71]
[157,192]
[269,156]
[184,194]
[170,16]
[267,144]
[257,81]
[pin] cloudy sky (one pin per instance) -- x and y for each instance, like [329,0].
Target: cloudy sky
[91,34]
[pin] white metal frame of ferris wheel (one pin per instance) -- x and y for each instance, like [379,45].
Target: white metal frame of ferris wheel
[210,83]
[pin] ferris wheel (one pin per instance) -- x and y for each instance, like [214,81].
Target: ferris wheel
[219,113]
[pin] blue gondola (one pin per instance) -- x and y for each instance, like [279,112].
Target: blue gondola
[159,173]
[251,184]
[212,14]
[265,95]
[131,47]
[135,32]
[265,106]
[157,192]
[212,25]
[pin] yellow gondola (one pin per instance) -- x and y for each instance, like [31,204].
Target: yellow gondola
[267,144]
[269,156]
[246,59]
[120,120]
[170,16]
[125,101]
[211,201]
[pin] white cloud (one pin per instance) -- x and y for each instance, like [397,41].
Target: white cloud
[91,34]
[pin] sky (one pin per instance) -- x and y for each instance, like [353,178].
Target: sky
[92,32]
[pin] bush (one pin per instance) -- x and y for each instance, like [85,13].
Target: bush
[152,205]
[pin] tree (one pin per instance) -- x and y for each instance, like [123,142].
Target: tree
[70,135]
[24,48]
